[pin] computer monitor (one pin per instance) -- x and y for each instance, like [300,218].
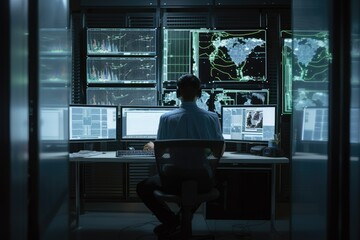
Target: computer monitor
[315,124]
[53,123]
[249,124]
[93,123]
[141,122]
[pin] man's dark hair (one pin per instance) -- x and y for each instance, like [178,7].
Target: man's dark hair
[189,84]
[188,80]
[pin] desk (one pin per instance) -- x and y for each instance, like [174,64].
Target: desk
[228,157]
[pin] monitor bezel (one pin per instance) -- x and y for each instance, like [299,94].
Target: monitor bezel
[250,106]
[93,139]
[134,139]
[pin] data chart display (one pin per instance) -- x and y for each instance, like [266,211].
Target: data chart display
[122,96]
[121,70]
[121,41]
[177,53]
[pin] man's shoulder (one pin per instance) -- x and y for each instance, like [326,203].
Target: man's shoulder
[209,113]
[171,113]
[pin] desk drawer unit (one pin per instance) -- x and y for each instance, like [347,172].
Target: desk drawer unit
[245,193]
[102,182]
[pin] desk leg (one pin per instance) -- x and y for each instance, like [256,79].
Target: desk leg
[273,198]
[77,194]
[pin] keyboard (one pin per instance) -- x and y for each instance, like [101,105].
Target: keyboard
[134,153]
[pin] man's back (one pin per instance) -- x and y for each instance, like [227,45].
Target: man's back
[187,122]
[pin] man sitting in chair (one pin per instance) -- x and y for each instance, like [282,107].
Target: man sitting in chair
[187,122]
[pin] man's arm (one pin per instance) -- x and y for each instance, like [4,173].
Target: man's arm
[149,146]
[221,152]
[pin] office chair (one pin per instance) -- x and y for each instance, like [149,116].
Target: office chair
[186,169]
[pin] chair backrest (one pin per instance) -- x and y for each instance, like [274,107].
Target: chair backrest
[187,159]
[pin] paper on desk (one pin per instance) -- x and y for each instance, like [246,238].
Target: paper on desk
[85,153]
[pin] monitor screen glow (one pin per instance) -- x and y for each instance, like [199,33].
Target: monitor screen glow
[244,123]
[315,124]
[141,123]
[92,123]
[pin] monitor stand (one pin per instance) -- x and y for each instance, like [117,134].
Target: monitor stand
[245,147]
[88,146]
[103,146]
[242,147]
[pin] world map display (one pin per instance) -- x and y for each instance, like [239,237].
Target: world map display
[305,65]
[232,56]
[307,57]
[214,99]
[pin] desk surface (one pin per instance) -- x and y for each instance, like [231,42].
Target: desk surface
[228,157]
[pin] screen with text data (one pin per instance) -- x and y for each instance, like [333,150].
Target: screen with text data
[92,123]
[249,123]
[141,123]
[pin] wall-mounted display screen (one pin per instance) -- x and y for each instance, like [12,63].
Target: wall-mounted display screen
[305,59]
[54,70]
[305,97]
[176,53]
[121,41]
[92,123]
[306,56]
[118,96]
[121,70]
[229,55]
[54,41]
[249,123]
[214,99]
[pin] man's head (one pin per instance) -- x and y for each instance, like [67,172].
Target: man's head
[188,88]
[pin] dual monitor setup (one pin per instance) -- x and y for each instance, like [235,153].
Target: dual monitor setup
[240,123]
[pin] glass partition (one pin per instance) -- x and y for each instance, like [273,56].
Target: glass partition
[309,55]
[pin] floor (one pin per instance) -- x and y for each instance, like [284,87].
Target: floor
[139,226]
